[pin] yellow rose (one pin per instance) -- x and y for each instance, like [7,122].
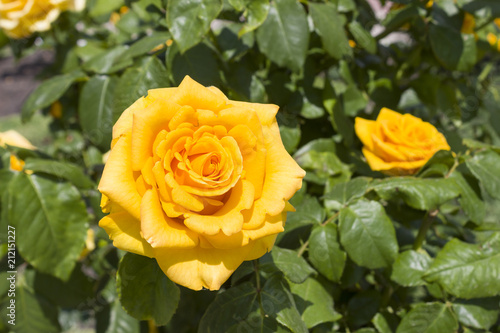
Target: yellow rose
[13,138]
[21,18]
[398,144]
[197,181]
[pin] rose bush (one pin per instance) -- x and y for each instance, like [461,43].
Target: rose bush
[22,18]
[197,181]
[398,144]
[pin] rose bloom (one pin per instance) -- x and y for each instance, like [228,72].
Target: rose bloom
[197,181]
[21,18]
[398,144]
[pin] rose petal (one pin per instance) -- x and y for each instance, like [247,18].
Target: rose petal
[364,129]
[125,232]
[394,168]
[124,124]
[261,247]
[228,219]
[161,231]
[118,170]
[146,126]
[196,95]
[265,112]
[199,268]
[283,175]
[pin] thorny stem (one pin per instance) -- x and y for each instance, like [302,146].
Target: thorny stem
[422,232]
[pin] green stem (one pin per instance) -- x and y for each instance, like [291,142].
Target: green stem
[485,24]
[303,248]
[306,243]
[454,166]
[422,232]
[257,278]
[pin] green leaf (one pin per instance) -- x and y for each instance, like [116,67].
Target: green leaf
[200,63]
[472,205]
[145,291]
[239,5]
[354,100]
[476,5]
[385,322]
[409,268]
[48,92]
[362,37]
[290,137]
[329,26]
[309,211]
[102,7]
[277,302]
[284,35]
[95,109]
[468,270]
[256,13]
[478,313]
[51,223]
[399,17]
[146,44]
[363,307]
[314,302]
[72,293]
[189,21]
[343,193]
[321,165]
[295,268]
[229,308]
[33,314]
[424,194]
[447,45]
[429,318]
[325,253]
[64,170]
[367,234]
[485,166]
[136,82]
[114,319]
[110,61]
[468,58]
[231,46]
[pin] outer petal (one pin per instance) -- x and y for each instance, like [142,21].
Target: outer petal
[161,231]
[164,94]
[146,125]
[118,170]
[389,115]
[125,232]
[124,124]
[192,93]
[266,112]
[364,129]
[261,247]
[393,168]
[198,267]
[283,175]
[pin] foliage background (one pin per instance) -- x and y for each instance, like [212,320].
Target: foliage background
[362,253]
